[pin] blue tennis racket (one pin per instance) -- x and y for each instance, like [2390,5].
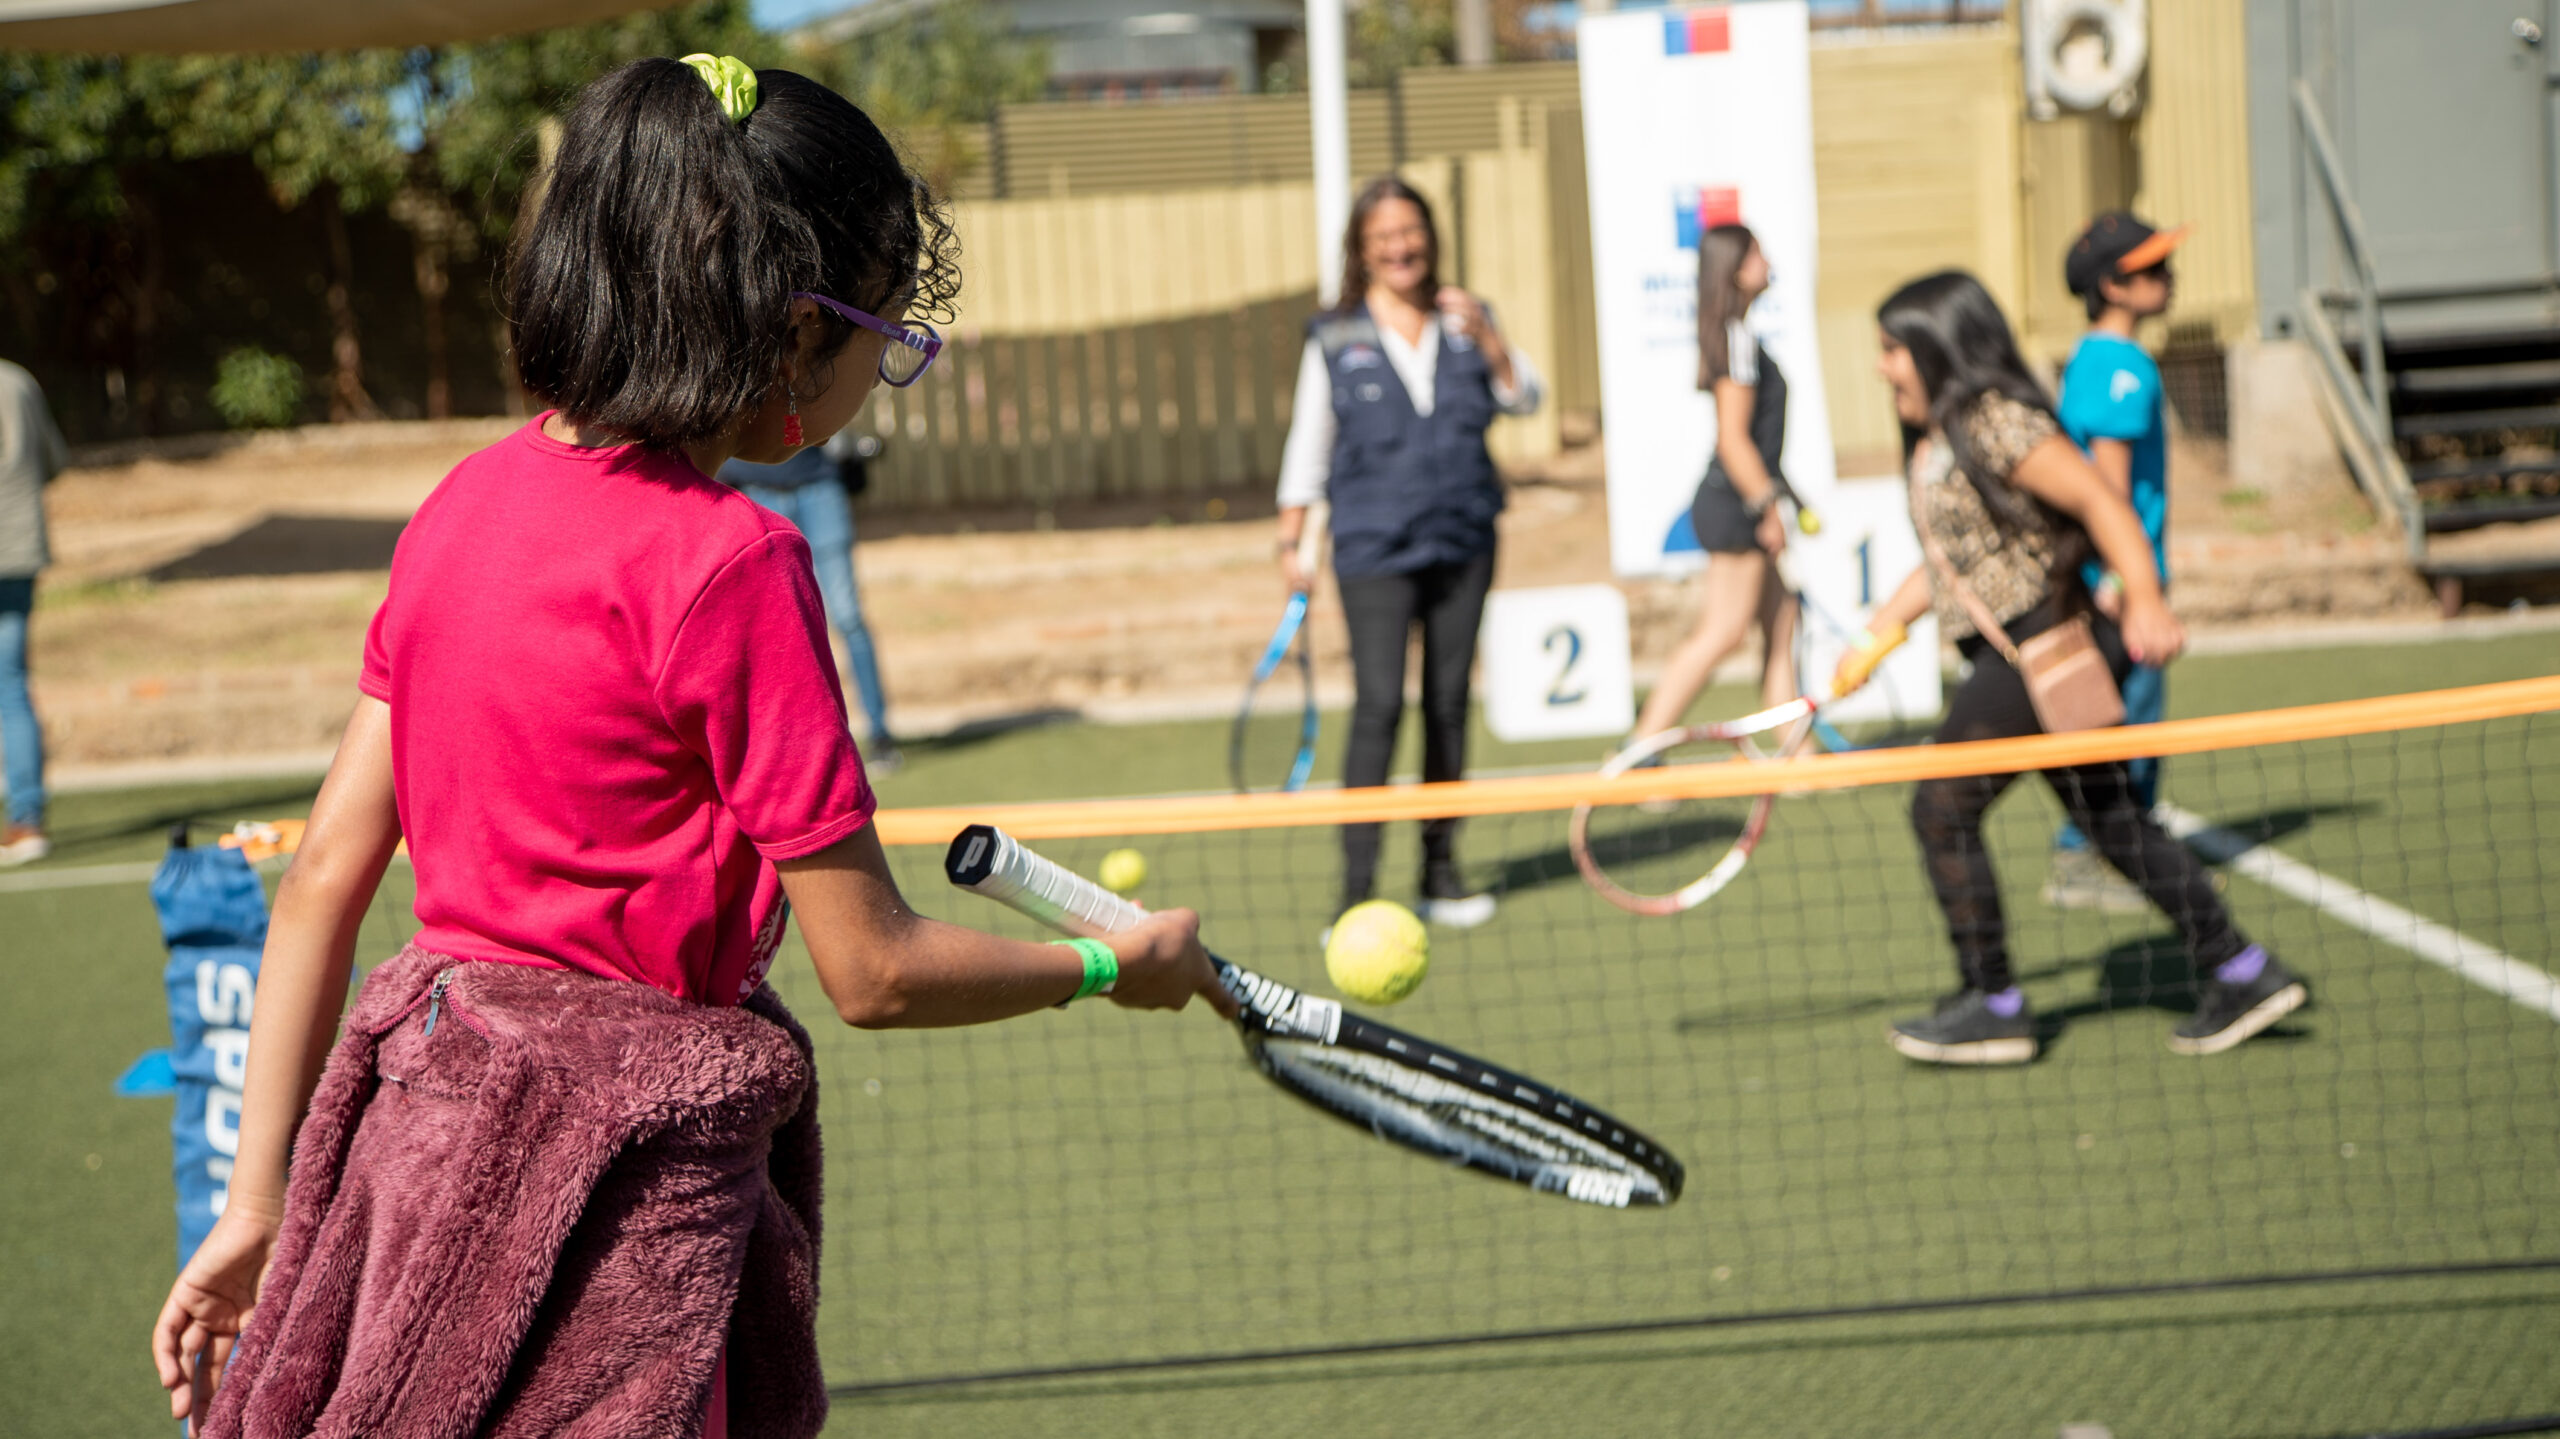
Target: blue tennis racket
[1258,741]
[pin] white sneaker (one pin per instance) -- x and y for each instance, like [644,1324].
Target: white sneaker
[1464,913]
[23,844]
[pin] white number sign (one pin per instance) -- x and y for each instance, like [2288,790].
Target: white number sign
[1556,664]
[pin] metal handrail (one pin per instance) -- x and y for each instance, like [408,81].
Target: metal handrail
[2350,224]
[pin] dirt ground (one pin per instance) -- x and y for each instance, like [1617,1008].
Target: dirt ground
[210,601]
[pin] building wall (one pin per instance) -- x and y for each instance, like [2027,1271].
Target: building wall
[2195,158]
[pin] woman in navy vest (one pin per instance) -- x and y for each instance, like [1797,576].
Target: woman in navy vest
[1395,390]
[1736,513]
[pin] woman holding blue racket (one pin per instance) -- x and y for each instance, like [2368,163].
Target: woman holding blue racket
[561,1173]
[1396,388]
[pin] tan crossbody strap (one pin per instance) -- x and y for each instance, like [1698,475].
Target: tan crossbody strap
[1983,619]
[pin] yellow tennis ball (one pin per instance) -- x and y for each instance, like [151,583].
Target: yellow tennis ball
[1378,952]
[1123,870]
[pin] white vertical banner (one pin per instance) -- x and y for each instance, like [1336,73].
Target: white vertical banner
[1694,118]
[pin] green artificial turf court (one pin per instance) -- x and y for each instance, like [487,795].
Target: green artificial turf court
[1100,1187]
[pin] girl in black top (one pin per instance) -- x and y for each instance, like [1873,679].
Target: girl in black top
[1735,513]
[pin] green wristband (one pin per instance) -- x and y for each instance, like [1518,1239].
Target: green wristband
[1101,968]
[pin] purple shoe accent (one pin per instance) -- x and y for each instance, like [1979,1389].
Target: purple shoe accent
[2007,1003]
[2242,968]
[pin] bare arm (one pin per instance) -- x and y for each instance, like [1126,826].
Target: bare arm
[1908,602]
[2114,462]
[1886,629]
[2058,474]
[302,988]
[884,966]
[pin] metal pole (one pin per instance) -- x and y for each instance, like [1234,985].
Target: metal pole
[1475,32]
[1328,117]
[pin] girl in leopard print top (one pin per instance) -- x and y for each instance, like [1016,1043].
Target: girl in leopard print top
[2015,508]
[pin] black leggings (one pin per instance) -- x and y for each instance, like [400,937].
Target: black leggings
[1448,601]
[1947,815]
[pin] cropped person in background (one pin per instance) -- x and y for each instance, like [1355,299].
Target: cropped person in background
[1396,388]
[31,454]
[1736,512]
[2113,407]
[810,490]
[2012,507]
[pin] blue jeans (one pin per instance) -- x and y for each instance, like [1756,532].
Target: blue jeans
[2146,700]
[21,740]
[824,517]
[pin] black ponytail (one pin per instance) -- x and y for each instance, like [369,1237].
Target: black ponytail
[650,297]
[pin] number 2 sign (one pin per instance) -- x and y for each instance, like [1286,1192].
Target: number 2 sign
[1556,663]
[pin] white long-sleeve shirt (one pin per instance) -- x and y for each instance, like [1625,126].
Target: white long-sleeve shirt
[1306,460]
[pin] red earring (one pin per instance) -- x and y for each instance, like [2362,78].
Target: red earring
[791,424]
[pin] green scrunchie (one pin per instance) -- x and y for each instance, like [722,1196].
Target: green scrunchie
[732,83]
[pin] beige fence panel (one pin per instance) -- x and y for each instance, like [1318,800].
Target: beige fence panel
[1097,261]
[1511,262]
[2195,158]
[1915,162]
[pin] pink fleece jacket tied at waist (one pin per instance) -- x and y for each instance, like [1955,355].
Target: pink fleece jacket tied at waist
[535,1202]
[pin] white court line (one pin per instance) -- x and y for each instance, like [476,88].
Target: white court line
[86,876]
[2492,969]
[79,877]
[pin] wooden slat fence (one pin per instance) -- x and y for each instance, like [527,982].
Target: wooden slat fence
[1175,410]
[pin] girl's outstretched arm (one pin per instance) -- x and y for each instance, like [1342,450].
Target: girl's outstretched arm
[884,966]
[302,990]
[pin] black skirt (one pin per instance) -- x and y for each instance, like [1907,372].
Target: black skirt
[1725,525]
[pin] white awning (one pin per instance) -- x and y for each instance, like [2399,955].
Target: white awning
[218,26]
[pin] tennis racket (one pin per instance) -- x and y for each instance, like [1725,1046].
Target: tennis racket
[1774,733]
[1812,613]
[1253,749]
[1400,1087]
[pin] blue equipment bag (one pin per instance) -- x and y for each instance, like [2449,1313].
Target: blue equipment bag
[213,916]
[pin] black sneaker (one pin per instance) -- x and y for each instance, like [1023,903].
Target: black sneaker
[2231,1013]
[1963,1030]
[1446,899]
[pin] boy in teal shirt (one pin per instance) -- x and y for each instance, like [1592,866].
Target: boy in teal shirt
[2111,405]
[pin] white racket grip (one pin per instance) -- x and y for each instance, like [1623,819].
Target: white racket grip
[986,860]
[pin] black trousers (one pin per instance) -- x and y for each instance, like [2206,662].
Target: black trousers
[1947,816]
[1448,602]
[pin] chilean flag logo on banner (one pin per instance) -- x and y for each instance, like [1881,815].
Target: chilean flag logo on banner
[1698,210]
[1697,32]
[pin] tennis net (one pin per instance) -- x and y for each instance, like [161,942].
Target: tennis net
[1099,1189]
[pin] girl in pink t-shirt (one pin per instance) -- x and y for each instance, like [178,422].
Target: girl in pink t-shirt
[600,706]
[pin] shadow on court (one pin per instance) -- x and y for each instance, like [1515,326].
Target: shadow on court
[158,819]
[1708,835]
[992,727]
[291,545]
[2268,826]
[1496,1358]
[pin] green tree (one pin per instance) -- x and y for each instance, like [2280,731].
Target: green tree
[84,142]
[930,75]
[487,116]
[320,128]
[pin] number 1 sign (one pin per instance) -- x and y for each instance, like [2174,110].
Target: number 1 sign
[1556,665]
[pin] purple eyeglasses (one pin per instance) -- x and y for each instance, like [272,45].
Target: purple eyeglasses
[910,350]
